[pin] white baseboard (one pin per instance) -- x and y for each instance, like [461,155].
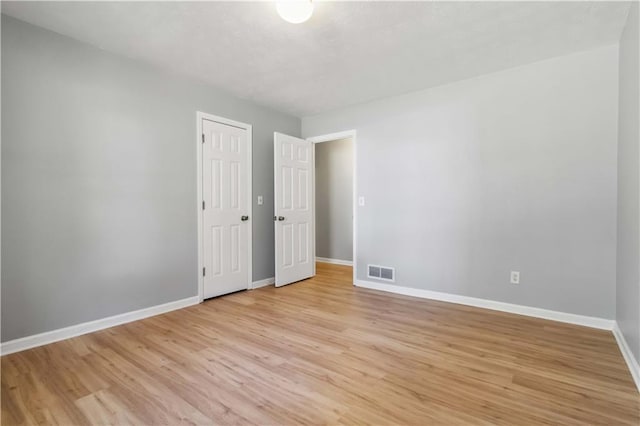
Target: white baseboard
[594,322]
[334,261]
[632,363]
[29,342]
[263,283]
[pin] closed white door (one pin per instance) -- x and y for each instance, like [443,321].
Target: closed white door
[294,228]
[225,187]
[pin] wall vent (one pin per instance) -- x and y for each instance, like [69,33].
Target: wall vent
[384,273]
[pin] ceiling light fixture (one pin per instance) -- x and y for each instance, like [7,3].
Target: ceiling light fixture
[295,11]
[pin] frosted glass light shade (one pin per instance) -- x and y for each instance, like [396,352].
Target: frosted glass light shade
[295,12]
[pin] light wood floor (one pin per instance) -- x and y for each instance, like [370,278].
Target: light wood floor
[322,351]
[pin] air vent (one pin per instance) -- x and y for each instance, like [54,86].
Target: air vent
[381,272]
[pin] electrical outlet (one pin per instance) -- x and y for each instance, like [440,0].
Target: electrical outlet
[260,200]
[361,201]
[515,277]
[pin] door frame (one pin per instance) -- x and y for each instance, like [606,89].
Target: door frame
[328,138]
[249,128]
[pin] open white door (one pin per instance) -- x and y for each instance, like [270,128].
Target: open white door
[294,227]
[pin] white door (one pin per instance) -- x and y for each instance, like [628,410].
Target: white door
[295,231]
[225,195]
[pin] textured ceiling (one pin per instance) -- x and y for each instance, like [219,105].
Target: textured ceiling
[349,52]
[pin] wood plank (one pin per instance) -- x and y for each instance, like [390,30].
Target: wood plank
[324,351]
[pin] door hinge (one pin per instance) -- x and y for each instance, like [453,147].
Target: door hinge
[202,205]
[203,138]
[204,272]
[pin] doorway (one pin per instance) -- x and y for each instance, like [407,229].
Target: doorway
[348,134]
[224,206]
[295,210]
[334,201]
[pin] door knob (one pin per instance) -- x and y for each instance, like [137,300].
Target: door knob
[244,218]
[280,218]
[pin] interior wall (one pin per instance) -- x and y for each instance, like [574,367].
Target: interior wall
[628,259]
[334,199]
[510,171]
[99,181]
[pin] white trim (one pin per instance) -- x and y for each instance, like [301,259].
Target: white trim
[631,361]
[313,203]
[334,261]
[594,322]
[332,137]
[199,117]
[263,283]
[89,327]
[249,128]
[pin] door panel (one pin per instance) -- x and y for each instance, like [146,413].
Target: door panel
[295,245]
[225,194]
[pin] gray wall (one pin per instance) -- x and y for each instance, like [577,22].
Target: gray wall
[628,267]
[514,170]
[98,181]
[334,199]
